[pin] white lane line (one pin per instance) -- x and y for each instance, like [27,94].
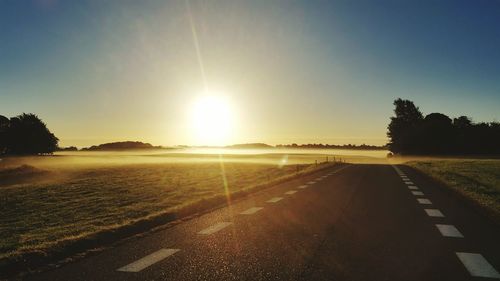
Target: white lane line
[302,186]
[448,230]
[434,213]
[477,265]
[148,260]
[251,211]
[274,199]
[409,183]
[214,228]
[291,192]
[311,182]
[424,201]
[412,187]
[417,193]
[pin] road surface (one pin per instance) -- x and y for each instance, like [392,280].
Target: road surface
[363,222]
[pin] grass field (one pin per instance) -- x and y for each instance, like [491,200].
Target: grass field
[63,199]
[478,180]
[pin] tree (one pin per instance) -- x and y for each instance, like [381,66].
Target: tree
[403,130]
[462,122]
[438,134]
[28,134]
[410,133]
[4,125]
[464,139]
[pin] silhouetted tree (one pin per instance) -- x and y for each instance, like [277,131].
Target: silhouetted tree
[409,133]
[404,127]
[4,125]
[27,134]
[462,122]
[464,139]
[437,134]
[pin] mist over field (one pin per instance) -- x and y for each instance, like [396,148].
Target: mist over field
[276,156]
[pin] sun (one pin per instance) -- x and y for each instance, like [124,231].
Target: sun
[212,120]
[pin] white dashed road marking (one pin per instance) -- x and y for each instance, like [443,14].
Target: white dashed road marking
[424,201]
[449,230]
[302,186]
[409,183]
[251,211]
[148,260]
[214,228]
[477,265]
[434,213]
[417,193]
[291,192]
[274,200]
[413,187]
[311,182]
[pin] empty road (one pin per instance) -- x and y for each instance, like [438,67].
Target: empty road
[360,222]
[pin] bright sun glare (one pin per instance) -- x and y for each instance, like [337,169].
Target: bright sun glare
[212,120]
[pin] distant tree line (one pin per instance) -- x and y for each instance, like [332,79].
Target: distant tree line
[122,145]
[412,133]
[69,148]
[26,134]
[333,146]
[255,145]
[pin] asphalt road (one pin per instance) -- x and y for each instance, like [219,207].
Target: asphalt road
[359,223]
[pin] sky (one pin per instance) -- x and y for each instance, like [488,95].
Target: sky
[288,71]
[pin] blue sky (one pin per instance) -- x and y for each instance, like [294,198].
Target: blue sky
[294,71]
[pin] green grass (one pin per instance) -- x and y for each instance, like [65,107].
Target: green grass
[478,180]
[70,204]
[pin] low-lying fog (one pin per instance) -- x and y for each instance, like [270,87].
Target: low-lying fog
[278,156]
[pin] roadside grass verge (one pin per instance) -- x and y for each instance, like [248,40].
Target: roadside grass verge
[476,180]
[52,219]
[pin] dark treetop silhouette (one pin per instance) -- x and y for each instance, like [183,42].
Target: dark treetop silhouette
[26,134]
[412,133]
[122,145]
[332,146]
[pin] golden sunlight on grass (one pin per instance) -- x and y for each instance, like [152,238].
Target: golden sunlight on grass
[57,205]
[476,179]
